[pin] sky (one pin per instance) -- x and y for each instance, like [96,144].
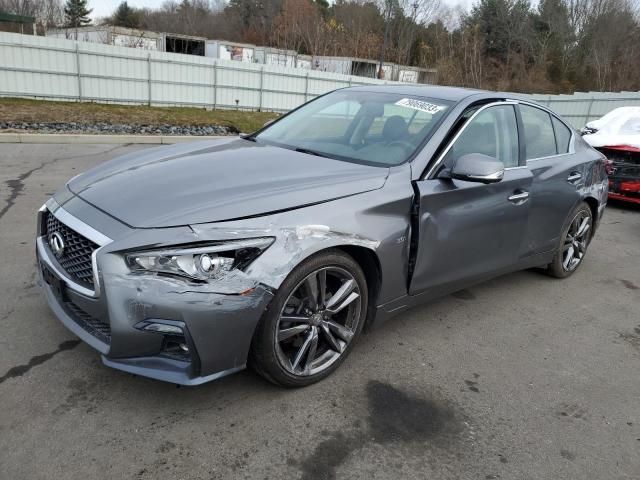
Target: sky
[104,8]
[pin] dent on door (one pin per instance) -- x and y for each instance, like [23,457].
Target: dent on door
[468,230]
[556,189]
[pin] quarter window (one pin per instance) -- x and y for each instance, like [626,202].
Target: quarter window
[538,133]
[492,132]
[563,135]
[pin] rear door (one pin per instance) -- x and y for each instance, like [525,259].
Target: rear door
[468,230]
[558,175]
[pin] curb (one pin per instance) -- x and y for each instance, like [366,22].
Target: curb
[100,139]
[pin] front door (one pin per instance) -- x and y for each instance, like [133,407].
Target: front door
[468,230]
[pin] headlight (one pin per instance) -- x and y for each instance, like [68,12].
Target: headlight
[202,262]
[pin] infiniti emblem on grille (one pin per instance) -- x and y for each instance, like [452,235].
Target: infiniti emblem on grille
[56,242]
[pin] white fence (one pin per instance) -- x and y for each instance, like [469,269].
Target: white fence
[59,69]
[52,68]
[582,107]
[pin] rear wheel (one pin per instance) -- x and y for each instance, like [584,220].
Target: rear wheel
[312,322]
[574,241]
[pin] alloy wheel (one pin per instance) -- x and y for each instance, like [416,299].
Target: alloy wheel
[318,321]
[576,240]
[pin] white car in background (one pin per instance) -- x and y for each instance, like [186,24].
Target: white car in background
[617,136]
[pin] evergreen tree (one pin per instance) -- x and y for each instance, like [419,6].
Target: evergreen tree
[76,13]
[125,16]
[555,37]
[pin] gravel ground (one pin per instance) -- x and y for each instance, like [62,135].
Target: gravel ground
[116,129]
[21,111]
[523,377]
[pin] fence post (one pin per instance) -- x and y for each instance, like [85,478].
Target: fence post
[261,87]
[588,119]
[149,78]
[78,71]
[215,84]
[306,87]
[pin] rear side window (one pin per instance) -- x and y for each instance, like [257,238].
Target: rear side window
[539,138]
[563,135]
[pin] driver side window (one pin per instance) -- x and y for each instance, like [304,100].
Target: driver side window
[493,132]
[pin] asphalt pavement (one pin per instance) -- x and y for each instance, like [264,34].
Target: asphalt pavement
[523,377]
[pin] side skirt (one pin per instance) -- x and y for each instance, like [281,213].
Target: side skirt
[395,307]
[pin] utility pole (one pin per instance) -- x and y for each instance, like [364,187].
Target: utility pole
[388,5]
[414,25]
[387,21]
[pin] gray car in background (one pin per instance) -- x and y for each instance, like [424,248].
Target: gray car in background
[186,263]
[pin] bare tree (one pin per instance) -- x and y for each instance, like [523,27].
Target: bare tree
[558,46]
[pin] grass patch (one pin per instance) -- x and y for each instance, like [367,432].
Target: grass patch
[24,110]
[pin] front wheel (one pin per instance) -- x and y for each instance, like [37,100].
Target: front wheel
[312,322]
[574,241]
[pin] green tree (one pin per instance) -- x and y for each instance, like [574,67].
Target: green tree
[323,5]
[506,28]
[125,16]
[492,18]
[555,38]
[76,13]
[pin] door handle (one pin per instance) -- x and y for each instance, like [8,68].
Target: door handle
[574,177]
[519,197]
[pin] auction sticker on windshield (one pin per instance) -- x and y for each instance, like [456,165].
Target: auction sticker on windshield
[420,105]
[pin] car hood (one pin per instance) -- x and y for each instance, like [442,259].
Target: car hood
[217,180]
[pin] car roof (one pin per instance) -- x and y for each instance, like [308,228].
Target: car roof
[454,94]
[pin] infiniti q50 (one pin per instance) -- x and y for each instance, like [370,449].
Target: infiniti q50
[186,263]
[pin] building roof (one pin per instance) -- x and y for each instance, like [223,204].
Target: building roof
[124,31]
[10,17]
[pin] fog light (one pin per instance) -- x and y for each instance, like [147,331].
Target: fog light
[176,348]
[175,342]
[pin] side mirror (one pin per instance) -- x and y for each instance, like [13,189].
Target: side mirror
[477,167]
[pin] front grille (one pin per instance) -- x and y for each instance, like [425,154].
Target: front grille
[96,327]
[76,256]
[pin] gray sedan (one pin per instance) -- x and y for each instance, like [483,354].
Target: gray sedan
[189,262]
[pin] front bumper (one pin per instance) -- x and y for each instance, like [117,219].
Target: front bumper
[218,327]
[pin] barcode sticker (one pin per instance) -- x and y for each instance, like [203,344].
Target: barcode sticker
[420,105]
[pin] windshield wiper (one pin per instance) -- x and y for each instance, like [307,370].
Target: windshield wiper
[249,137]
[311,152]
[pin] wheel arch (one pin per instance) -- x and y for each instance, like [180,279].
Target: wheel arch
[370,264]
[594,207]
[362,251]
[365,258]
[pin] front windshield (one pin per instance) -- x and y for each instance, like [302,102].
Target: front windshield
[364,127]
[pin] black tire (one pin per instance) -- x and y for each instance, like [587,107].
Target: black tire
[266,358]
[559,267]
